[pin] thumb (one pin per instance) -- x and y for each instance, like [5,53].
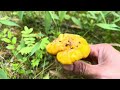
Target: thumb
[80,67]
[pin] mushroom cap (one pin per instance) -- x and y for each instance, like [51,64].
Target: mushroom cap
[69,48]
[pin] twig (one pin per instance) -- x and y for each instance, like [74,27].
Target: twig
[86,33]
[95,37]
[2,57]
[112,44]
[70,26]
[41,71]
[55,73]
[115,44]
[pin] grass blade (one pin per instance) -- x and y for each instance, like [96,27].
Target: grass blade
[47,21]
[3,75]
[103,16]
[20,14]
[109,26]
[62,15]
[9,23]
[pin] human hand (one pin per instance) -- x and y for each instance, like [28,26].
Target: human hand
[107,65]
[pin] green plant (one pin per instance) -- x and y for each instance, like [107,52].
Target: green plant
[21,14]
[109,26]
[27,41]
[10,39]
[76,21]
[3,74]
[90,19]
[39,50]
[62,15]
[22,51]
[5,20]
[47,21]
[28,46]
[59,16]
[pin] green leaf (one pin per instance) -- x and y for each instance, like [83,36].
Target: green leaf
[14,39]
[76,21]
[5,30]
[9,23]
[62,15]
[67,17]
[10,47]
[23,59]
[39,54]
[29,39]
[115,14]
[103,16]
[35,62]
[39,45]
[53,15]
[116,20]
[21,71]
[109,26]
[22,45]
[25,50]
[44,42]
[15,66]
[19,57]
[29,35]
[3,75]
[35,48]
[9,34]
[20,14]
[46,76]
[6,40]
[27,30]
[93,14]
[47,21]
[40,35]
[29,43]
[4,18]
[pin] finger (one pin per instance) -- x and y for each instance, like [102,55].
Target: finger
[97,52]
[93,56]
[82,68]
[68,67]
[94,51]
[101,52]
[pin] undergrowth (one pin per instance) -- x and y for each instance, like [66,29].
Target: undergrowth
[25,34]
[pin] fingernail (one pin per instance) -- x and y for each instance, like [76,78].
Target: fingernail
[68,67]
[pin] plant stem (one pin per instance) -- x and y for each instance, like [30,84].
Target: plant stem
[44,69]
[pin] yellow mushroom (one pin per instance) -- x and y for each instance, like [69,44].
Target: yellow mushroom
[69,48]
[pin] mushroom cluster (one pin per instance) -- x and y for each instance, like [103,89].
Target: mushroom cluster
[69,48]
